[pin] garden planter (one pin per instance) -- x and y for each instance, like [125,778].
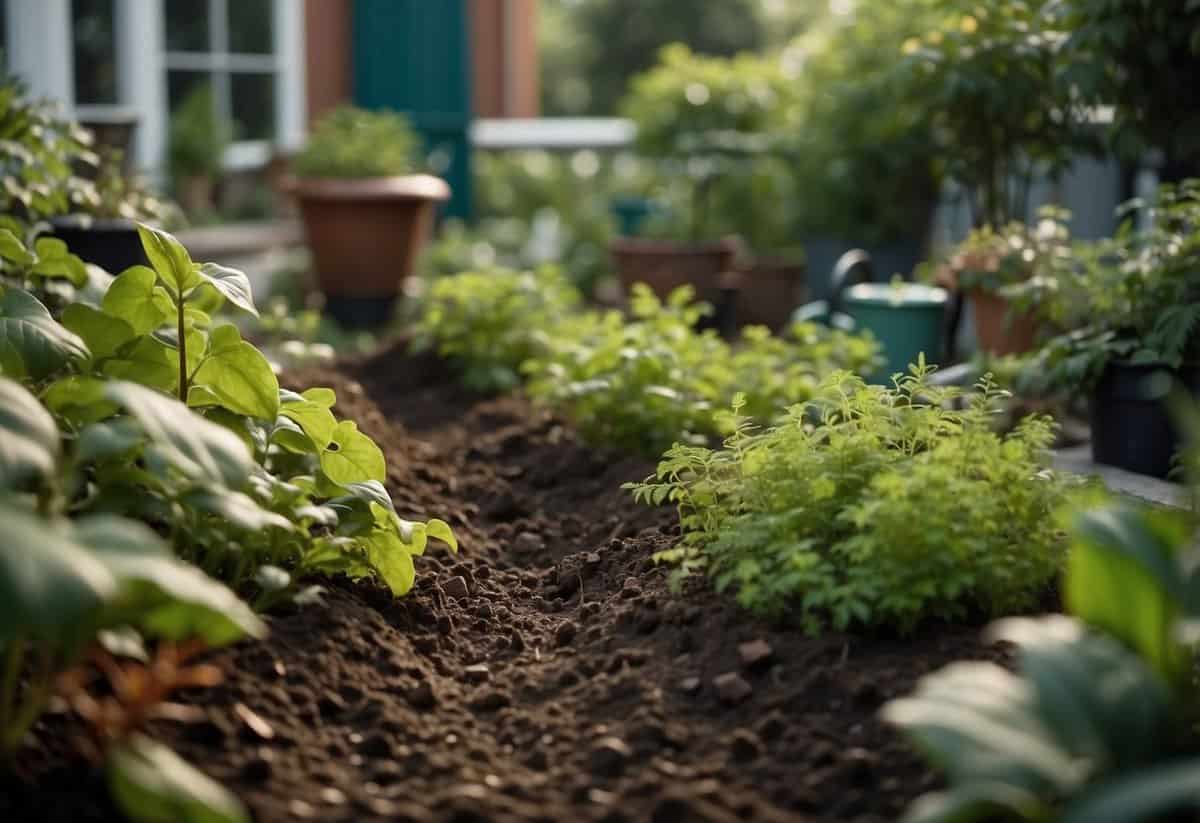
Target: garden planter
[906,319]
[664,266]
[113,245]
[365,237]
[770,291]
[1131,423]
[999,329]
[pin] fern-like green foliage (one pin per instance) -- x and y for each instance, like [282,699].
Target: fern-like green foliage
[353,142]
[870,506]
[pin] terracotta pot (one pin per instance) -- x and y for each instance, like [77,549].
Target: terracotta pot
[365,237]
[999,329]
[664,265]
[771,289]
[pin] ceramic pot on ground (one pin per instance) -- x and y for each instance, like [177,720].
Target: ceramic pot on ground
[1000,329]
[113,245]
[770,291]
[365,237]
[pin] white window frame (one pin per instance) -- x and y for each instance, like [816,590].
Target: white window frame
[40,49]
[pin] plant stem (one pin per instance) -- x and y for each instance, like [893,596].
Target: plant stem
[183,372]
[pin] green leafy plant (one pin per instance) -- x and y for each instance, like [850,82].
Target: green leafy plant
[1098,722]
[491,322]
[353,142]
[869,506]
[987,80]
[197,138]
[1136,296]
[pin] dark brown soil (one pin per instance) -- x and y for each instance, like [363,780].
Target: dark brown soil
[547,673]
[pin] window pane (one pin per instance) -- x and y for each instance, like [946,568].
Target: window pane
[253,105]
[181,84]
[250,27]
[187,25]
[95,51]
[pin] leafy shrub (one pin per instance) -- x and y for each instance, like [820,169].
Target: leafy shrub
[353,142]
[145,448]
[197,138]
[869,506]
[490,322]
[640,382]
[1097,724]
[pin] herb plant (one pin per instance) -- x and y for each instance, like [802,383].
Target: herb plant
[869,506]
[353,142]
[1098,723]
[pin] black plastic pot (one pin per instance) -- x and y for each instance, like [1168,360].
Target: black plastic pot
[113,245]
[1131,422]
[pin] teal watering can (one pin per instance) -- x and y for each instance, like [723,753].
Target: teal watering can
[907,319]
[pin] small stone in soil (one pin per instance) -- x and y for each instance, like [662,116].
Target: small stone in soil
[755,653]
[609,757]
[332,796]
[732,688]
[689,685]
[528,543]
[490,701]
[477,673]
[421,696]
[745,746]
[253,723]
[455,587]
[565,633]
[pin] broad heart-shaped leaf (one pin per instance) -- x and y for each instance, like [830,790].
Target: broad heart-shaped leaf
[440,530]
[12,250]
[32,343]
[160,594]
[321,396]
[1146,794]
[132,298]
[238,376]
[78,398]
[102,332]
[391,560]
[315,419]
[169,258]
[232,284]
[145,360]
[201,450]
[109,439]
[352,457]
[1123,576]
[29,439]
[49,584]
[152,784]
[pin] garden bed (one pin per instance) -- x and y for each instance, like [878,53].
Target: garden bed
[546,673]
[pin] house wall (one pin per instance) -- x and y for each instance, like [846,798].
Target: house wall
[330,69]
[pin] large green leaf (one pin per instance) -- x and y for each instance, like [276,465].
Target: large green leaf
[132,298]
[152,784]
[1123,576]
[13,250]
[391,560]
[29,439]
[48,582]
[238,509]
[201,450]
[169,258]
[238,376]
[107,440]
[352,457]
[32,343]
[160,594]
[232,284]
[315,418]
[102,332]
[1143,795]
[145,360]
[78,398]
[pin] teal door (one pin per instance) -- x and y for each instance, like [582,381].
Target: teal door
[413,56]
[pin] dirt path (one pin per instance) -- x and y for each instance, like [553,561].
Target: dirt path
[545,674]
